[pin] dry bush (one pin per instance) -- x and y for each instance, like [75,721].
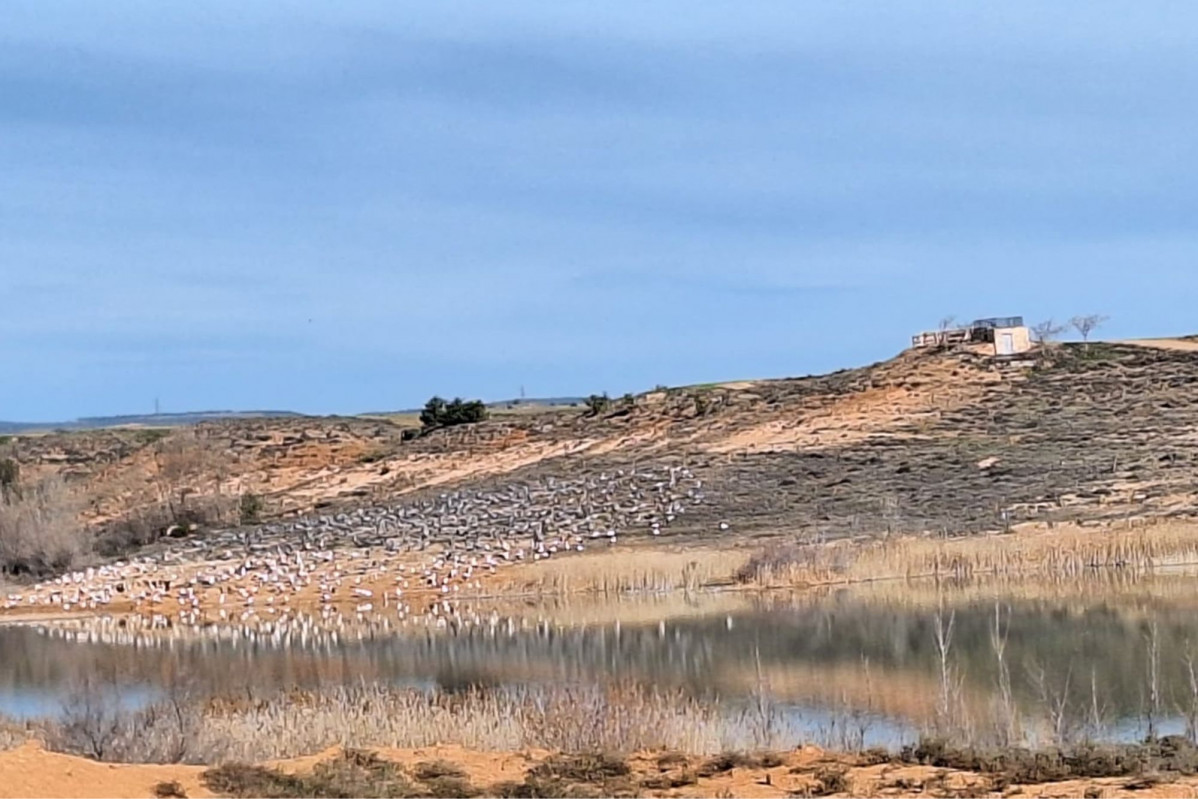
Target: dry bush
[669,781]
[580,775]
[352,773]
[831,780]
[794,563]
[13,734]
[238,779]
[145,525]
[40,532]
[726,761]
[169,790]
[436,769]
[669,760]
[95,723]
[1017,765]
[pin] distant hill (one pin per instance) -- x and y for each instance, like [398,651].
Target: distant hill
[195,417]
[527,402]
[141,420]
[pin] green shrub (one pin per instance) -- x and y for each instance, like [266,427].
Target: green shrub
[250,508]
[439,413]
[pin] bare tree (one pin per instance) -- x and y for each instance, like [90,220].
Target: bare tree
[1085,325]
[1046,332]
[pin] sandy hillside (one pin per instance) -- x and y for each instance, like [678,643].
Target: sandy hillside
[929,441]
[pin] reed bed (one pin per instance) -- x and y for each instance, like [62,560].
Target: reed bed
[562,719]
[633,570]
[622,718]
[1062,553]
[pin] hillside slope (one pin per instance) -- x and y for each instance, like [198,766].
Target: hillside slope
[949,441]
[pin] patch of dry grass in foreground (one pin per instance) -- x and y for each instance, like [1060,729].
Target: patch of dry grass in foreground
[13,734]
[620,718]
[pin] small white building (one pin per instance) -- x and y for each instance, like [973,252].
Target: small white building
[1008,334]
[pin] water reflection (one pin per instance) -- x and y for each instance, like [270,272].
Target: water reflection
[870,652]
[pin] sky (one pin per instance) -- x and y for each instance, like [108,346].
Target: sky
[349,207]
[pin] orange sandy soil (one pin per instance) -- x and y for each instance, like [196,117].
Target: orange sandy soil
[31,771]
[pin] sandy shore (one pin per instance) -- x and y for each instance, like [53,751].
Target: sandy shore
[31,771]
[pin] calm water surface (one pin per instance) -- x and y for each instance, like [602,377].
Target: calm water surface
[861,651]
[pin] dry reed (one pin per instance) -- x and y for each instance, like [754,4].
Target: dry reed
[621,718]
[625,570]
[1062,553]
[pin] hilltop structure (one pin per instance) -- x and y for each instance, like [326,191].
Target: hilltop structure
[1008,334]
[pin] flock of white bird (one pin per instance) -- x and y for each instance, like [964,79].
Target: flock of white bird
[375,558]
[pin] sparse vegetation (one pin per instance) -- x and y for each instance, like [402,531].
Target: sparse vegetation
[727,761]
[436,769]
[1017,765]
[831,780]
[353,773]
[562,775]
[169,790]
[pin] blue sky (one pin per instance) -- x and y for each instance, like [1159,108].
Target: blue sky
[341,207]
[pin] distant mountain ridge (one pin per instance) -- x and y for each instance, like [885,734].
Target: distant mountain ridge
[143,420]
[195,417]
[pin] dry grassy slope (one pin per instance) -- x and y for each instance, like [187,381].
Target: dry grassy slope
[928,440]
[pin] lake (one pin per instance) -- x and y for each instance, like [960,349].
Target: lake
[867,653]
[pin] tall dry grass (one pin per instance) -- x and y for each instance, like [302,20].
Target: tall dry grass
[571,719]
[40,532]
[243,728]
[13,734]
[1061,553]
[625,570]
